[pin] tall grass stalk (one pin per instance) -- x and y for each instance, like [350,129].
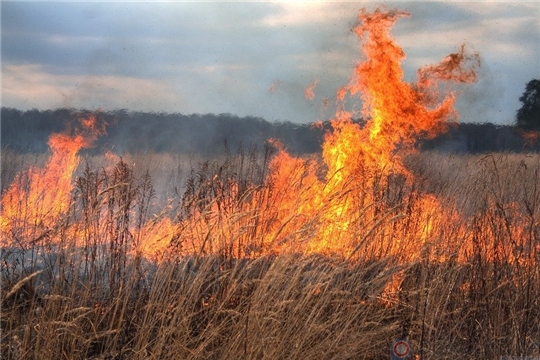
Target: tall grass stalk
[78,289]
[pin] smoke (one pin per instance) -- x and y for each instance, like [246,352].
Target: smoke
[482,101]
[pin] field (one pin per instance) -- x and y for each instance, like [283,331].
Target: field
[76,289]
[260,254]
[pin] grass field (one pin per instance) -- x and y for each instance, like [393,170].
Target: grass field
[457,274]
[259,254]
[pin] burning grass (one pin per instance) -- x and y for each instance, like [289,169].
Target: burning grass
[265,255]
[82,292]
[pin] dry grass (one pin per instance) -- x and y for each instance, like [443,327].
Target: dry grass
[474,293]
[13,163]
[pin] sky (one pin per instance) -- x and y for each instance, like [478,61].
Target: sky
[249,58]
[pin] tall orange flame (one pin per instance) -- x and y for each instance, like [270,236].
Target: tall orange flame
[398,113]
[358,157]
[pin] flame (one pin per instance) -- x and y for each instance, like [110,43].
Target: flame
[347,201]
[321,205]
[398,112]
[531,137]
[308,91]
[156,237]
[359,159]
[275,86]
[42,195]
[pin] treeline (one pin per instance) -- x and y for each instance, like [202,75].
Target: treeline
[127,131]
[210,134]
[483,138]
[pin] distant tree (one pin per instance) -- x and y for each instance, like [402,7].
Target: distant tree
[528,116]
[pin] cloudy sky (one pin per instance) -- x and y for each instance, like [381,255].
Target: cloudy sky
[249,58]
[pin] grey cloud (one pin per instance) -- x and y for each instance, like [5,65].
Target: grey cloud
[220,57]
[137,37]
[436,16]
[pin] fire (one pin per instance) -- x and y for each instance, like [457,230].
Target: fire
[308,91]
[360,159]
[399,112]
[402,242]
[338,203]
[42,195]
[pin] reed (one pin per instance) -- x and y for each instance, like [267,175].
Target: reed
[83,289]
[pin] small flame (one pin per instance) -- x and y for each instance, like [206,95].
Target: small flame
[275,86]
[308,92]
